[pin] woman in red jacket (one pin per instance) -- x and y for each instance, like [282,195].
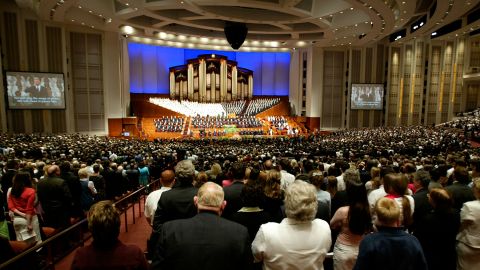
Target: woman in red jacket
[21,204]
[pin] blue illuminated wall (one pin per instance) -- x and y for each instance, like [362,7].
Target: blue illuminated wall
[149,68]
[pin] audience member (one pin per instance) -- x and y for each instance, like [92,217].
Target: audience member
[106,251]
[54,195]
[21,205]
[87,197]
[391,247]
[299,241]
[98,182]
[437,231]
[176,203]
[353,221]
[396,186]
[205,241]
[468,240]
[233,191]
[461,192]
[167,180]
[274,196]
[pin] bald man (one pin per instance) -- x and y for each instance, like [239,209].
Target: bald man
[56,199]
[205,241]
[167,179]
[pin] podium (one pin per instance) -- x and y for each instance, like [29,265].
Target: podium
[123,127]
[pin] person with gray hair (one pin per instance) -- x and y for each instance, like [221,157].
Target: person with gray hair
[176,203]
[205,241]
[300,241]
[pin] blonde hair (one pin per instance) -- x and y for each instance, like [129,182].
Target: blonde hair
[83,173]
[301,201]
[216,169]
[387,211]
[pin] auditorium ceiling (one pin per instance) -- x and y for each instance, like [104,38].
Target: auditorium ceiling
[272,24]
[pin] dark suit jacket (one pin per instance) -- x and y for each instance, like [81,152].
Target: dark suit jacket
[176,203]
[460,193]
[206,241]
[32,90]
[437,234]
[54,195]
[73,183]
[422,207]
[232,196]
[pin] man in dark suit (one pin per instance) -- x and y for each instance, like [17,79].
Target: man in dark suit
[421,180]
[176,203]
[54,195]
[37,90]
[73,183]
[232,192]
[459,190]
[205,241]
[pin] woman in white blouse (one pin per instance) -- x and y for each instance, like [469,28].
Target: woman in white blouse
[468,239]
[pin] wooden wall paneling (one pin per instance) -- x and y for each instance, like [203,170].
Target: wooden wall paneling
[33,54]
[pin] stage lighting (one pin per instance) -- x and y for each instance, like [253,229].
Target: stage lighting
[235,34]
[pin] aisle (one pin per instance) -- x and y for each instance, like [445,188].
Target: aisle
[137,234]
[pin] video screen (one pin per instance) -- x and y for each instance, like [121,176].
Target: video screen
[367,97]
[27,90]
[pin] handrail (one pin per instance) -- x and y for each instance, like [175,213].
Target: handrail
[47,242]
[41,245]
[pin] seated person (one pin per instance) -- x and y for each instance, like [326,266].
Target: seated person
[106,251]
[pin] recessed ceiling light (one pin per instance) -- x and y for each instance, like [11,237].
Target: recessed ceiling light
[127,4]
[89,11]
[73,20]
[341,12]
[79,6]
[83,23]
[403,3]
[351,8]
[127,29]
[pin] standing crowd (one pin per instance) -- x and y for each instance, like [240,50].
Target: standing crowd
[384,198]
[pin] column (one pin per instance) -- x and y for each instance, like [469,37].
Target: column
[190,81]
[172,85]
[234,83]
[202,80]
[223,80]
